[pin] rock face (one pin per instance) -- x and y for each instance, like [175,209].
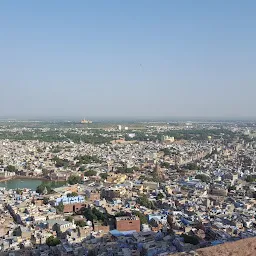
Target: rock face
[243,247]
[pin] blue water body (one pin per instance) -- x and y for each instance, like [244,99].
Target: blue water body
[20,183]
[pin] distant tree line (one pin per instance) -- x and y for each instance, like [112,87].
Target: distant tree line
[54,136]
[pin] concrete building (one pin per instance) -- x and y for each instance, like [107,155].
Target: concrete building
[128,223]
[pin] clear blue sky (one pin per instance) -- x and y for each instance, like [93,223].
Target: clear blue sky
[128,58]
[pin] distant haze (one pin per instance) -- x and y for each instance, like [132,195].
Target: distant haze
[128,59]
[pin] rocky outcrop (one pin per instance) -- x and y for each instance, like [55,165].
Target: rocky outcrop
[243,247]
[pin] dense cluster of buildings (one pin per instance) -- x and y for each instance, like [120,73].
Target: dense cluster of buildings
[142,198]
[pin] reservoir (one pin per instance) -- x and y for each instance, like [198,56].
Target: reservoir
[21,183]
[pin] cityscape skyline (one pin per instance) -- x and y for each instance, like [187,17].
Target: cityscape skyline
[99,119]
[127,128]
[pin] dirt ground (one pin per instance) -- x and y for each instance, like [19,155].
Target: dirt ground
[244,247]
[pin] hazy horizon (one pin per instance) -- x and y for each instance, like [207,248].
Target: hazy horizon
[136,59]
[127,119]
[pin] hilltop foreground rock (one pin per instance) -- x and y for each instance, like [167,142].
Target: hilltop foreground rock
[243,247]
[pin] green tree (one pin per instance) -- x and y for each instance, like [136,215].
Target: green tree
[192,166]
[104,176]
[45,172]
[60,207]
[203,178]
[69,218]
[74,179]
[61,162]
[94,214]
[160,196]
[143,177]
[88,214]
[99,215]
[124,170]
[81,169]
[49,185]
[90,173]
[19,191]
[17,231]
[165,165]
[40,189]
[87,159]
[166,151]
[250,178]
[143,200]
[52,241]
[46,200]
[80,223]
[10,168]
[143,218]
[73,194]
[231,188]
[121,214]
